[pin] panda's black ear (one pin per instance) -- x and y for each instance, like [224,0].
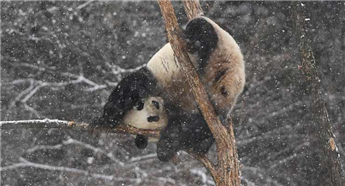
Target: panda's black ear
[141,141]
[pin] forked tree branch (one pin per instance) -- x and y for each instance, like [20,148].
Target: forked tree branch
[227,170]
[179,47]
[192,8]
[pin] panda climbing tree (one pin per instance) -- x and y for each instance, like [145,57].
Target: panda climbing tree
[182,120]
[157,96]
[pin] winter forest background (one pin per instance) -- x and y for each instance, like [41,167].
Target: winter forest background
[60,60]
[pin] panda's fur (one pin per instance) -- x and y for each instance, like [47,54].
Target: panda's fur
[222,74]
[219,63]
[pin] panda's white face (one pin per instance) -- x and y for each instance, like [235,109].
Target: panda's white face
[149,114]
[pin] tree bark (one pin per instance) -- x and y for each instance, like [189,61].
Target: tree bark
[226,172]
[320,120]
[192,8]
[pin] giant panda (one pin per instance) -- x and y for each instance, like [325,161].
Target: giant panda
[220,66]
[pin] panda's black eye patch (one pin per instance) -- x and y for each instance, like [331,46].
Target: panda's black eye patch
[153,118]
[140,105]
[156,104]
[223,91]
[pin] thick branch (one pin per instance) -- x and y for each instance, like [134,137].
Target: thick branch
[71,125]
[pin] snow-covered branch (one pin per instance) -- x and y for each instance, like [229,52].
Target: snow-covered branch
[71,125]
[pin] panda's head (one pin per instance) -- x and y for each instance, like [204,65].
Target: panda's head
[149,113]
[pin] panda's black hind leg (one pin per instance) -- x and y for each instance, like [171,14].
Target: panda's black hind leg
[201,37]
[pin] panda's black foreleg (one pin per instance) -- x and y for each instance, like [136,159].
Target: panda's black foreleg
[201,38]
[196,135]
[169,141]
[127,95]
[203,146]
[184,132]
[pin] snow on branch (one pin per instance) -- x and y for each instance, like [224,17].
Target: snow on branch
[71,125]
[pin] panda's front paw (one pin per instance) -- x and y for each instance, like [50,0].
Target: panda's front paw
[141,141]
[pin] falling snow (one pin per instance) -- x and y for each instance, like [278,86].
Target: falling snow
[60,60]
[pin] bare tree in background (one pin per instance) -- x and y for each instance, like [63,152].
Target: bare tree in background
[320,126]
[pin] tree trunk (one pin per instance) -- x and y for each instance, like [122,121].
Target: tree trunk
[226,173]
[320,122]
